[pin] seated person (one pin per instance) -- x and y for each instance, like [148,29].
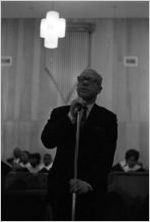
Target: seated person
[130,163]
[35,159]
[15,160]
[47,163]
[25,165]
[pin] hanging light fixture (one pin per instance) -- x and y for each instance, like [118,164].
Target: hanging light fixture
[52,28]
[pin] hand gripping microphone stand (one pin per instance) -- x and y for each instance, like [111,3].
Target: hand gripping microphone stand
[79,116]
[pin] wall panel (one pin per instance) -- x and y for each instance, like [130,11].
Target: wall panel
[128,86]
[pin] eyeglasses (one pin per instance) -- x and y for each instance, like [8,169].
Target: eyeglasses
[81,79]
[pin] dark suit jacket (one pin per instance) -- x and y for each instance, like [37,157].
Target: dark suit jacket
[96,150]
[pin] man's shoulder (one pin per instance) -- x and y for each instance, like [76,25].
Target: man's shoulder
[105,111]
[61,109]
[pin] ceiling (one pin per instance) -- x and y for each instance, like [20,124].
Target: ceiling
[76,9]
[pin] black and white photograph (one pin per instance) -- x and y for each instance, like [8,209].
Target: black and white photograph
[74,110]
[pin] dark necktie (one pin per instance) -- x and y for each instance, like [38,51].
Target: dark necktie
[84,115]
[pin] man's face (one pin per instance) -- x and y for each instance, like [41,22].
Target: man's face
[87,86]
[24,157]
[131,161]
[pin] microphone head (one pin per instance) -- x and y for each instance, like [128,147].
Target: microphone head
[79,106]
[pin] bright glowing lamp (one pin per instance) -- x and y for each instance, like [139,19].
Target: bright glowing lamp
[51,41]
[51,28]
[61,27]
[52,15]
[43,28]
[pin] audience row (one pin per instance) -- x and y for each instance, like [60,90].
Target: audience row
[25,161]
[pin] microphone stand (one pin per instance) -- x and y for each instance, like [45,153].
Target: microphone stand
[79,115]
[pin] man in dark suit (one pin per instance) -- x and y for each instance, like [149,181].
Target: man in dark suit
[98,135]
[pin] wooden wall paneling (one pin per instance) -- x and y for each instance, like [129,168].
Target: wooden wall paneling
[3,36]
[136,79]
[12,43]
[102,55]
[36,72]
[2,139]
[143,86]
[144,92]
[46,95]
[28,40]
[140,74]
[120,79]
[33,136]
[133,80]
[4,70]
[121,142]
[144,142]
[132,136]
[133,72]
[119,86]
[4,93]
[131,125]
[8,138]
[19,70]
[143,51]
[24,130]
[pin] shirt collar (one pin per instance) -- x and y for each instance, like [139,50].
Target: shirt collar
[126,167]
[49,166]
[46,167]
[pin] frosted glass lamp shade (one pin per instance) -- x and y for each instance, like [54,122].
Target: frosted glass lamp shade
[52,15]
[43,28]
[61,27]
[51,41]
[51,28]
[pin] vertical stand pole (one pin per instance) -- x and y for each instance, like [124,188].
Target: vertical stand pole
[76,164]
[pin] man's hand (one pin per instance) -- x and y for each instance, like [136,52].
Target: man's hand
[79,186]
[74,107]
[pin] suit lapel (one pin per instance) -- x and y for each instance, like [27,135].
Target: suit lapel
[93,113]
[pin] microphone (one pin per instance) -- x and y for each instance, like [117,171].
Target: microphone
[78,107]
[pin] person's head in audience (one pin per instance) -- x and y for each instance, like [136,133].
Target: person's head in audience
[47,159]
[24,157]
[132,157]
[35,159]
[17,153]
